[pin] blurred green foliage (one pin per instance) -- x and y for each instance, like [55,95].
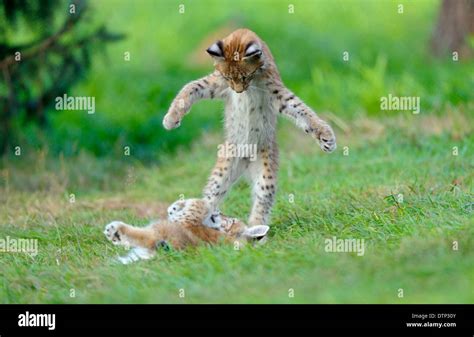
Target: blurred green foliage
[45,49]
[388,54]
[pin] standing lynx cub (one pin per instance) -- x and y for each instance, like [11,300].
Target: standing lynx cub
[247,79]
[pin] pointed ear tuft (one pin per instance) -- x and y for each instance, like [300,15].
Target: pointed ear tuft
[256,232]
[216,50]
[253,50]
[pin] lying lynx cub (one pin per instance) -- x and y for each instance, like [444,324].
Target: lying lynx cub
[190,223]
[246,78]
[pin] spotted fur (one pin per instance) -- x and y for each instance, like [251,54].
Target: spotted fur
[247,79]
[186,226]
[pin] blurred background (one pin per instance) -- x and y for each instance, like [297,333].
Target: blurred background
[134,56]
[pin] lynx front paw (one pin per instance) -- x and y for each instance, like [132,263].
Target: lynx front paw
[113,232]
[327,139]
[176,210]
[171,122]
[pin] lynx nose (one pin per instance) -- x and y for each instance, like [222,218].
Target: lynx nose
[238,87]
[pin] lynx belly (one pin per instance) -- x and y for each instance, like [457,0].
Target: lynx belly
[249,118]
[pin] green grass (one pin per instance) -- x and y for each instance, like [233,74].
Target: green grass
[408,244]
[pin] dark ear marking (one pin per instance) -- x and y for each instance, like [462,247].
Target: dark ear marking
[249,44]
[252,49]
[217,49]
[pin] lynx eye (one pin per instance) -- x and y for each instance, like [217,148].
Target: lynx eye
[251,75]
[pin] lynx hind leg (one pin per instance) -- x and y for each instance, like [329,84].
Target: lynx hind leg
[125,235]
[141,240]
[114,232]
[263,174]
[224,174]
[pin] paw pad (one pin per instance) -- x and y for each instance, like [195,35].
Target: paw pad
[112,233]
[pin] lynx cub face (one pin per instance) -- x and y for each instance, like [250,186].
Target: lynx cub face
[238,58]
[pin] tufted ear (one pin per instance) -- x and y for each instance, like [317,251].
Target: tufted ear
[256,232]
[253,51]
[216,50]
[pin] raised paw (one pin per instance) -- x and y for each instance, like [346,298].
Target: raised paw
[171,122]
[113,232]
[176,211]
[327,139]
[175,113]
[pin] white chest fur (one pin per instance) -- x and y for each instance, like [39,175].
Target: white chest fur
[249,117]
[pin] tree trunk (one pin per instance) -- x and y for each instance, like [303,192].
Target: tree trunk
[454,27]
